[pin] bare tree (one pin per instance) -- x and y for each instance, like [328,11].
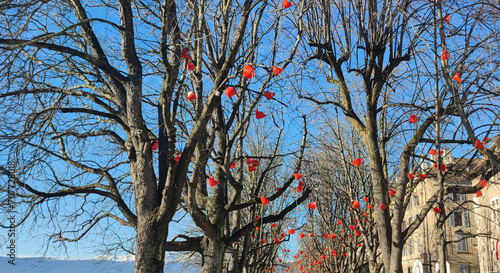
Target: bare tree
[85,85]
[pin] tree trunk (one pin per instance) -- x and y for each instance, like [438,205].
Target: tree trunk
[213,255]
[150,247]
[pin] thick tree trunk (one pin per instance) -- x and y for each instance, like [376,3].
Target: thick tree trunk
[150,247]
[213,255]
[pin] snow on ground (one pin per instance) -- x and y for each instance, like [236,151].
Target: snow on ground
[48,265]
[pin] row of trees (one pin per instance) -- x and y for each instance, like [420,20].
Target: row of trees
[123,108]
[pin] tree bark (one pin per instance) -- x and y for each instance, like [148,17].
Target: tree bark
[213,254]
[150,247]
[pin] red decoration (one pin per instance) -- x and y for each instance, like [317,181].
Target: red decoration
[457,77]
[190,66]
[299,188]
[248,72]
[212,182]
[356,162]
[291,231]
[286,4]
[392,192]
[352,227]
[269,95]
[486,140]
[479,193]
[411,176]
[259,114]
[357,232]
[177,157]
[446,18]
[230,91]
[370,206]
[437,210]
[232,166]
[273,224]
[413,119]
[297,176]
[483,183]
[301,235]
[478,145]
[382,206]
[312,205]
[339,222]
[154,145]
[365,199]
[185,54]
[356,204]
[445,55]
[310,235]
[191,96]
[432,152]
[264,200]
[422,176]
[277,70]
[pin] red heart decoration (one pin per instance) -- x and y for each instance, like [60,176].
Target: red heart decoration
[248,72]
[185,54]
[446,18]
[382,206]
[437,210]
[269,95]
[154,145]
[177,157]
[230,91]
[483,183]
[370,206]
[286,4]
[264,200]
[413,119]
[212,182]
[411,176]
[232,166]
[422,176]
[190,66]
[479,193]
[291,231]
[312,205]
[301,235]
[297,176]
[357,232]
[191,96]
[445,55]
[277,70]
[356,204]
[356,162]
[339,222]
[457,77]
[478,145]
[432,152]
[365,199]
[259,114]
[392,192]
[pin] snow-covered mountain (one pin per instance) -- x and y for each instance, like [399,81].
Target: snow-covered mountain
[48,265]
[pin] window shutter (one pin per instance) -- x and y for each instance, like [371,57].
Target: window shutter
[466,219]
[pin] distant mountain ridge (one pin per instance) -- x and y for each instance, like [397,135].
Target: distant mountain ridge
[56,265]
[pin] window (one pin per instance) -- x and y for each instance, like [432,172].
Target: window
[419,247]
[456,219]
[466,219]
[462,243]
[410,247]
[409,269]
[458,197]
[463,268]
